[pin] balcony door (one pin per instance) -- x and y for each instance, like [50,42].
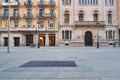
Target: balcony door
[6,12]
[15,12]
[88,39]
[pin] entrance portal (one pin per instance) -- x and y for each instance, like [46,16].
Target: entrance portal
[29,39]
[42,40]
[52,40]
[88,39]
[16,41]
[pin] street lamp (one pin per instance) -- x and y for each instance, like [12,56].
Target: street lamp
[38,44]
[97,24]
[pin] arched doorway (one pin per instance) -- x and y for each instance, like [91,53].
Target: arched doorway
[88,39]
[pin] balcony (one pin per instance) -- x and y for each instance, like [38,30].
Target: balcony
[52,29]
[42,5]
[45,16]
[28,16]
[4,16]
[28,4]
[12,4]
[15,16]
[89,23]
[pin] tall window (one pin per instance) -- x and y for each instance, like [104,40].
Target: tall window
[52,12]
[15,23]
[6,0]
[67,35]
[109,2]
[41,12]
[28,23]
[41,24]
[29,12]
[81,16]
[95,15]
[66,17]
[16,13]
[16,0]
[66,2]
[29,1]
[110,34]
[6,12]
[51,24]
[52,1]
[42,1]
[109,17]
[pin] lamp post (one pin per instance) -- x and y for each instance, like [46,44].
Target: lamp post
[8,49]
[38,44]
[97,24]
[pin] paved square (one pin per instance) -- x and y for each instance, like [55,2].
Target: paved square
[92,63]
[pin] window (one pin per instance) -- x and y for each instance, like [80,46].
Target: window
[41,12]
[66,35]
[29,1]
[15,23]
[109,17]
[95,15]
[6,0]
[16,0]
[87,2]
[110,34]
[66,17]
[41,24]
[52,12]
[51,24]
[29,12]
[81,15]
[113,34]
[109,2]
[15,12]
[28,23]
[6,12]
[66,2]
[42,1]
[106,34]
[52,2]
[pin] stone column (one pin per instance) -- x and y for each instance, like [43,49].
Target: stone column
[46,39]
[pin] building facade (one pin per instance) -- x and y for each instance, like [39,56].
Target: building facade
[118,7]
[86,22]
[31,22]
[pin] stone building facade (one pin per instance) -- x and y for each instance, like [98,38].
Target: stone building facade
[118,8]
[31,22]
[86,22]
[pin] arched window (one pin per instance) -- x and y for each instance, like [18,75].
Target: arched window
[95,15]
[106,34]
[110,34]
[66,17]
[81,15]
[109,17]
[113,34]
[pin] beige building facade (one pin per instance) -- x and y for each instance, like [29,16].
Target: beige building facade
[31,22]
[86,22]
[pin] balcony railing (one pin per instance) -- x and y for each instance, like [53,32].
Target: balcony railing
[12,4]
[88,23]
[28,16]
[15,16]
[28,29]
[28,4]
[47,16]
[4,16]
[46,4]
